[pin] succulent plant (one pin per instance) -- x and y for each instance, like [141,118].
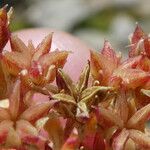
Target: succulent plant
[107,109]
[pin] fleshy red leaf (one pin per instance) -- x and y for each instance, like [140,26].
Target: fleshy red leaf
[120,141]
[144,64]
[35,112]
[68,128]
[98,142]
[4,28]
[108,118]
[101,67]
[131,62]
[54,128]
[24,128]
[57,58]
[109,53]
[3,84]
[15,100]
[14,62]
[137,121]
[121,106]
[132,78]
[4,114]
[140,138]
[43,48]
[136,37]
[147,46]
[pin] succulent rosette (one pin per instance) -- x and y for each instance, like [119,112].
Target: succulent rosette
[107,109]
[35,66]
[17,125]
[74,104]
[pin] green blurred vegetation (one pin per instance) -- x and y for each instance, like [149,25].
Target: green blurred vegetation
[102,20]
[99,21]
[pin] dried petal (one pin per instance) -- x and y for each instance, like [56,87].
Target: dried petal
[137,121]
[120,141]
[82,111]
[90,92]
[140,138]
[33,113]
[64,82]
[65,98]
[146,92]
[83,80]
[15,100]
[52,88]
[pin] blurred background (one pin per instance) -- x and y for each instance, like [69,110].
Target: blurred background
[90,20]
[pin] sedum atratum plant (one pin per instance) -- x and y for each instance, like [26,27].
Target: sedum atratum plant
[107,109]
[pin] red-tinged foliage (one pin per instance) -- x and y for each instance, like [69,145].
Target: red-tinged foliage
[136,37]
[36,67]
[109,113]
[147,46]
[4,27]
